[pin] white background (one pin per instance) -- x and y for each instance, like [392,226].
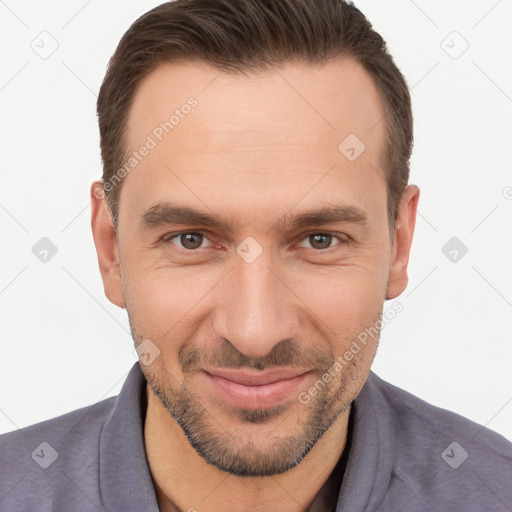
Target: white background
[64,346]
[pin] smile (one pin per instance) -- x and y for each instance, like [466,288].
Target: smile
[254,389]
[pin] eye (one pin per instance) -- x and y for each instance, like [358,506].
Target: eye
[322,241]
[188,240]
[192,240]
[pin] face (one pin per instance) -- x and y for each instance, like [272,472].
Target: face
[251,252]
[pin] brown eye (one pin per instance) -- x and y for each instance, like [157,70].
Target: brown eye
[190,241]
[321,241]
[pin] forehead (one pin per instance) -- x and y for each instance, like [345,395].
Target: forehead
[257,133]
[319,101]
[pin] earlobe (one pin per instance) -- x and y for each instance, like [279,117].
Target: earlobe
[404,231]
[106,245]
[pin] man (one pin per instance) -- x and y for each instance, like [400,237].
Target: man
[253,217]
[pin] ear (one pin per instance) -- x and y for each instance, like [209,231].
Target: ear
[106,245]
[404,231]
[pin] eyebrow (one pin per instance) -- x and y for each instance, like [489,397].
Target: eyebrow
[167,213]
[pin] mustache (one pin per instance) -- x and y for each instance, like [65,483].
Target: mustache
[226,355]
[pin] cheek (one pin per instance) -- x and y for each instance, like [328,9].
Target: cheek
[154,297]
[163,302]
[343,298]
[159,313]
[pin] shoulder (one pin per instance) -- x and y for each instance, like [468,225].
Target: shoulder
[440,457]
[54,460]
[411,416]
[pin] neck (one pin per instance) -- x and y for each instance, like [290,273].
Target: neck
[184,481]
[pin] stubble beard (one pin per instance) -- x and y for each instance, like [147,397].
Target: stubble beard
[233,451]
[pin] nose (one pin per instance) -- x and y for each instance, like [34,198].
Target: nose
[257,308]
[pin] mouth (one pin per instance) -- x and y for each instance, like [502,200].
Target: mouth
[254,389]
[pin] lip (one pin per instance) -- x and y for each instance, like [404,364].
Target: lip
[255,389]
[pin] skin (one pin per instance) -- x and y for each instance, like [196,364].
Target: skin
[256,149]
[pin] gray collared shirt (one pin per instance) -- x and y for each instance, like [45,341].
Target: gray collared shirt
[405,455]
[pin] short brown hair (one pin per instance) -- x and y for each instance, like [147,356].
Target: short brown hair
[240,36]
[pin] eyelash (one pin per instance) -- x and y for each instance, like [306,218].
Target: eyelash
[344,239]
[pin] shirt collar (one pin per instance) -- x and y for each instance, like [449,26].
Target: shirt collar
[368,469]
[125,479]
